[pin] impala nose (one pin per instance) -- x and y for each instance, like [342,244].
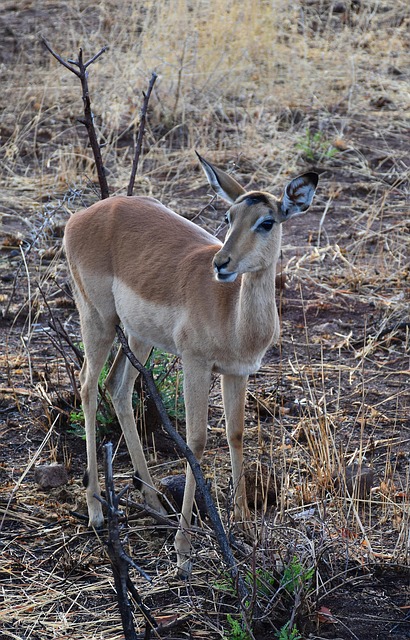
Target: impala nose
[221,272]
[219,266]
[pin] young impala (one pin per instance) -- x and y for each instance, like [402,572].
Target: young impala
[174,286]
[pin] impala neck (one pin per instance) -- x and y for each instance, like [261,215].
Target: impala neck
[258,315]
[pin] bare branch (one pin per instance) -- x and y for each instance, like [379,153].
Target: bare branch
[59,58]
[138,144]
[97,55]
[120,560]
[88,120]
[195,466]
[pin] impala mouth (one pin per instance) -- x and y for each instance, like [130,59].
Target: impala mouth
[226,277]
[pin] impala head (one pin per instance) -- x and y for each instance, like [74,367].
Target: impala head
[255,217]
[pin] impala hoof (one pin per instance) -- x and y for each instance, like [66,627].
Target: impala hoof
[95,516]
[183,549]
[184,569]
[96,524]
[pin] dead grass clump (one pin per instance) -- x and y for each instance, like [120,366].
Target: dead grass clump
[225,76]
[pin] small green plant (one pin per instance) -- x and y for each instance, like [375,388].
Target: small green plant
[316,147]
[288,633]
[104,373]
[295,576]
[77,423]
[168,379]
[104,417]
[263,581]
[236,630]
[225,585]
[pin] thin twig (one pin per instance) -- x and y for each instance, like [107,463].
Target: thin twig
[138,144]
[59,58]
[27,469]
[26,342]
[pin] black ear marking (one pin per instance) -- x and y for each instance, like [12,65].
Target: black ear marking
[313,178]
[221,182]
[210,174]
[298,194]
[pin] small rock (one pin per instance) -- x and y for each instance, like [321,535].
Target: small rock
[174,487]
[49,476]
[327,328]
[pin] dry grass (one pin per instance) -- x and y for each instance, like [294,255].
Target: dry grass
[266,88]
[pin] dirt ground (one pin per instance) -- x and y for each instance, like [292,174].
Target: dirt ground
[334,392]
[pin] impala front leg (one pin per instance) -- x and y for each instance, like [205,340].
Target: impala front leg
[234,394]
[197,380]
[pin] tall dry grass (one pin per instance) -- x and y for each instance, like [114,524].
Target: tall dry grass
[229,75]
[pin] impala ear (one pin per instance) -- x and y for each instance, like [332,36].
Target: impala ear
[222,183]
[298,195]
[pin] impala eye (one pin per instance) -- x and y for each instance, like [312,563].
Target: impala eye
[266,225]
[227,218]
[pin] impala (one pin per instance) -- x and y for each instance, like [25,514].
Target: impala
[174,286]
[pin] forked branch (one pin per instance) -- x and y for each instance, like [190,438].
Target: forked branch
[88,120]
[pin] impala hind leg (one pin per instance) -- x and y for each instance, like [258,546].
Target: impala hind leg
[234,394]
[120,384]
[197,381]
[97,338]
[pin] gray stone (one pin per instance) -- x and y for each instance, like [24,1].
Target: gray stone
[49,476]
